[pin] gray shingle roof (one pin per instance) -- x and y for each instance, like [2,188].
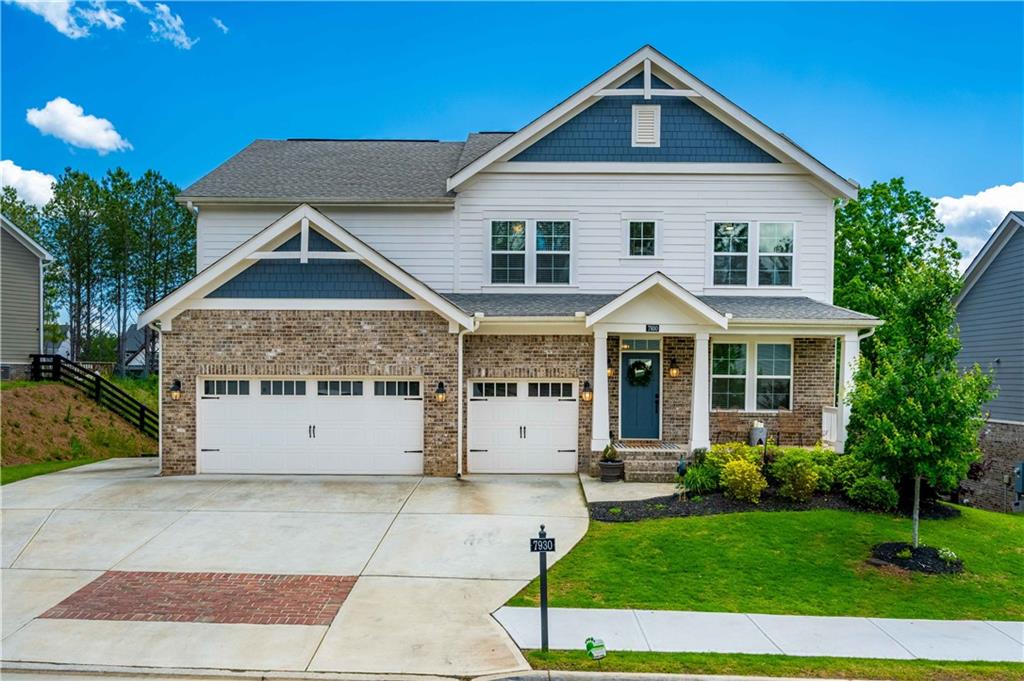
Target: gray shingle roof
[371,171]
[567,304]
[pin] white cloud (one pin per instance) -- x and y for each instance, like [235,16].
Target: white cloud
[220,24]
[165,25]
[971,218]
[32,186]
[67,121]
[71,19]
[138,5]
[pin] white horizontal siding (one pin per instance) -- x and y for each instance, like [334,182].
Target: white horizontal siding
[418,240]
[684,205]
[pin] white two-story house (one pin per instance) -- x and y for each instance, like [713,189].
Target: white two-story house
[645,265]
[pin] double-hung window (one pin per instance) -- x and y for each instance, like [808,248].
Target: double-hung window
[775,254]
[730,257]
[728,375]
[642,241]
[531,252]
[764,384]
[508,252]
[554,250]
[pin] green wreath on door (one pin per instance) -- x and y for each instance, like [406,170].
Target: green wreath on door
[639,372]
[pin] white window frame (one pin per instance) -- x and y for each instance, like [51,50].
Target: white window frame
[627,221]
[753,253]
[791,255]
[489,235]
[656,142]
[745,376]
[750,385]
[531,252]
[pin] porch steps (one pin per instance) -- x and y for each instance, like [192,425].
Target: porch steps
[650,461]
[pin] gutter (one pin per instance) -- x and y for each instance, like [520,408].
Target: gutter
[440,202]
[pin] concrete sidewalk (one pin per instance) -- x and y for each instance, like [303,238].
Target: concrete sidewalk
[711,632]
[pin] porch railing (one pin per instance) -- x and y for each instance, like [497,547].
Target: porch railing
[829,425]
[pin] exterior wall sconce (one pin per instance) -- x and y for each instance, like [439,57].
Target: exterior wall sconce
[673,369]
[611,370]
[175,390]
[587,394]
[440,394]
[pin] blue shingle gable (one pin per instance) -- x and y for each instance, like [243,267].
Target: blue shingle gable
[637,81]
[603,133]
[315,279]
[317,242]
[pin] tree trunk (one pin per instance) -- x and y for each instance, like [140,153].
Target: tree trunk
[917,508]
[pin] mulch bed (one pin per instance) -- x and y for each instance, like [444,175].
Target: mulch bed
[922,559]
[716,503]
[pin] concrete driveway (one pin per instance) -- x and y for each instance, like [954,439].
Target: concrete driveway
[434,558]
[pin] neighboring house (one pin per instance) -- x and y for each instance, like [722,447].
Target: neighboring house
[990,313]
[22,262]
[136,353]
[646,264]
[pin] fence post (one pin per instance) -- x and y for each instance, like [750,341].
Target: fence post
[55,367]
[37,374]
[142,418]
[99,386]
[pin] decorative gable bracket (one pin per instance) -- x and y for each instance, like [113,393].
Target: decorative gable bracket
[647,91]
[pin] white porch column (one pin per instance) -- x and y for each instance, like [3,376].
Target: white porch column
[700,427]
[599,422]
[849,357]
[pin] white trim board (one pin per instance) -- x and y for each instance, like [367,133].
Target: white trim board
[277,232]
[707,98]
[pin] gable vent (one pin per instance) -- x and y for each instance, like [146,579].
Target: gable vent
[646,125]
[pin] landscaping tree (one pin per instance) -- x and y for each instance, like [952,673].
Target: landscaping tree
[916,415]
[119,214]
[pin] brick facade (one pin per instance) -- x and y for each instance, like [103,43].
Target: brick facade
[527,357]
[1002,448]
[307,343]
[814,381]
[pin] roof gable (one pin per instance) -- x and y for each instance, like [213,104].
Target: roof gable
[659,290]
[1001,236]
[25,240]
[643,62]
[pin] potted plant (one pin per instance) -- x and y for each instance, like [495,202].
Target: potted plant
[612,467]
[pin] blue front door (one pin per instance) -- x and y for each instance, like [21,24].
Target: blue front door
[639,396]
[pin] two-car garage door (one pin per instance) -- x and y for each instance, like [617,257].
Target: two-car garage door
[292,425]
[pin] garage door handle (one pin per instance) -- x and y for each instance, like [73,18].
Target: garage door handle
[309,431]
[567,399]
[206,397]
[478,450]
[477,399]
[416,399]
[209,450]
[413,451]
[314,432]
[566,450]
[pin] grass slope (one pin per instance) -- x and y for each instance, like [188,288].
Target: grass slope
[799,563]
[778,665]
[49,426]
[145,390]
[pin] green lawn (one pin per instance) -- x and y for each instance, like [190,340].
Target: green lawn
[145,390]
[778,665]
[801,563]
[30,470]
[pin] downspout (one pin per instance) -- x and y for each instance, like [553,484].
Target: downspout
[459,392]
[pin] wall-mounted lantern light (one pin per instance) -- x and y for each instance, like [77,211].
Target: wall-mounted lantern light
[175,390]
[440,394]
[673,369]
[611,370]
[587,394]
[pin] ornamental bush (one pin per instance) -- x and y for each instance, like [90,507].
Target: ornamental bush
[701,479]
[743,480]
[847,470]
[720,455]
[796,473]
[874,493]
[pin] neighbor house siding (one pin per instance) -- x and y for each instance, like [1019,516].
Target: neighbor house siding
[19,284]
[417,240]
[991,319]
[682,205]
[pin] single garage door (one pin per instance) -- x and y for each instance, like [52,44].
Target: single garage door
[523,426]
[300,426]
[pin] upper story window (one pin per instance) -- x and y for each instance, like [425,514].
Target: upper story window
[642,241]
[646,125]
[730,257]
[508,252]
[735,262]
[531,252]
[553,252]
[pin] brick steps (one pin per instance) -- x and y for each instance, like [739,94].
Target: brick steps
[652,463]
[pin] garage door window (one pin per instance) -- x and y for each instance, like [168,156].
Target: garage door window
[495,389]
[396,388]
[550,390]
[339,388]
[276,388]
[225,387]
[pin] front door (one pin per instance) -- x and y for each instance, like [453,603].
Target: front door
[639,396]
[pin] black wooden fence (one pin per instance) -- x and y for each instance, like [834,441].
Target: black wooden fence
[58,368]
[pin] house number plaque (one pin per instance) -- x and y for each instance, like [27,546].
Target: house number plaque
[653,328]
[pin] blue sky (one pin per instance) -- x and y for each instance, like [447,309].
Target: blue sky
[932,92]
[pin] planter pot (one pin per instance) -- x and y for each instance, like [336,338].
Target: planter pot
[612,471]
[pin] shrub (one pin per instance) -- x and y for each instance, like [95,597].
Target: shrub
[847,470]
[874,493]
[720,455]
[699,455]
[743,480]
[700,479]
[796,473]
[825,465]
[948,555]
